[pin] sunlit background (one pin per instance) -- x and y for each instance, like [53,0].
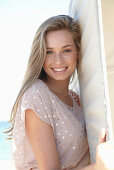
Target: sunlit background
[19,20]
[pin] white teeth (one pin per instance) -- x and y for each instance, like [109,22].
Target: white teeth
[59,69]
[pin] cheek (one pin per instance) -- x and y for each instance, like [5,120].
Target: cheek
[44,66]
[73,59]
[46,62]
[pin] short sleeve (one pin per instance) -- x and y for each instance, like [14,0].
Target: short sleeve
[37,99]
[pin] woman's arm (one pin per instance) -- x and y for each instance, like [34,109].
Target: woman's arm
[42,140]
[104,154]
[43,144]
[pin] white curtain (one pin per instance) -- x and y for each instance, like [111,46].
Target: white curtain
[108,29]
[92,70]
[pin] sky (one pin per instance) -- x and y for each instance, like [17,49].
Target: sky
[19,20]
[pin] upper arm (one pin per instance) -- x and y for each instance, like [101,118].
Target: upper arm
[41,138]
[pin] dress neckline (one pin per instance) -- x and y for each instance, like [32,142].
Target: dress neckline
[69,107]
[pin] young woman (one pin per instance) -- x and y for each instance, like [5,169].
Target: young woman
[47,120]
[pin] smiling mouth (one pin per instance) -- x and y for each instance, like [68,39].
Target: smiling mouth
[59,69]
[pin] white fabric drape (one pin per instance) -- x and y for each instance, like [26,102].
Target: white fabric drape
[108,29]
[92,70]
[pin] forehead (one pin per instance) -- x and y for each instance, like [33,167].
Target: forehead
[58,38]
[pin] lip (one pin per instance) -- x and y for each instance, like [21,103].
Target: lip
[59,70]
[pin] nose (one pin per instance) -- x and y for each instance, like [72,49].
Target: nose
[58,59]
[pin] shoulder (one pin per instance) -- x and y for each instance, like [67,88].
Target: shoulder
[76,97]
[38,86]
[37,92]
[36,98]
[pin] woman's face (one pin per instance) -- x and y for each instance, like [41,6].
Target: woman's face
[61,56]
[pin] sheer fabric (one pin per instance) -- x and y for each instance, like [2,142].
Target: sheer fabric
[67,123]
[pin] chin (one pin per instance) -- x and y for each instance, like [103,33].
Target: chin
[61,78]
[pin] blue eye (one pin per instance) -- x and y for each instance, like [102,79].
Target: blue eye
[49,52]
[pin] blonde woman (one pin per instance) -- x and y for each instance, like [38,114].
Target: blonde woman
[48,128]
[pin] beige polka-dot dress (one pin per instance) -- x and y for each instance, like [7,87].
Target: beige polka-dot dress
[67,124]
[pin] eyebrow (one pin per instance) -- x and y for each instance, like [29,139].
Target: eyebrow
[62,47]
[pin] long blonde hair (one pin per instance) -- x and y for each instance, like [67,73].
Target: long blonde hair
[38,51]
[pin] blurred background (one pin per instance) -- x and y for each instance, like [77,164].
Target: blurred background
[19,20]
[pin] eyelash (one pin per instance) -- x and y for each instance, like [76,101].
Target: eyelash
[67,50]
[50,52]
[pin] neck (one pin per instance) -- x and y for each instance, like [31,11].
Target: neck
[59,87]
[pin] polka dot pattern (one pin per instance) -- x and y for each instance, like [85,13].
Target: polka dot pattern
[67,124]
